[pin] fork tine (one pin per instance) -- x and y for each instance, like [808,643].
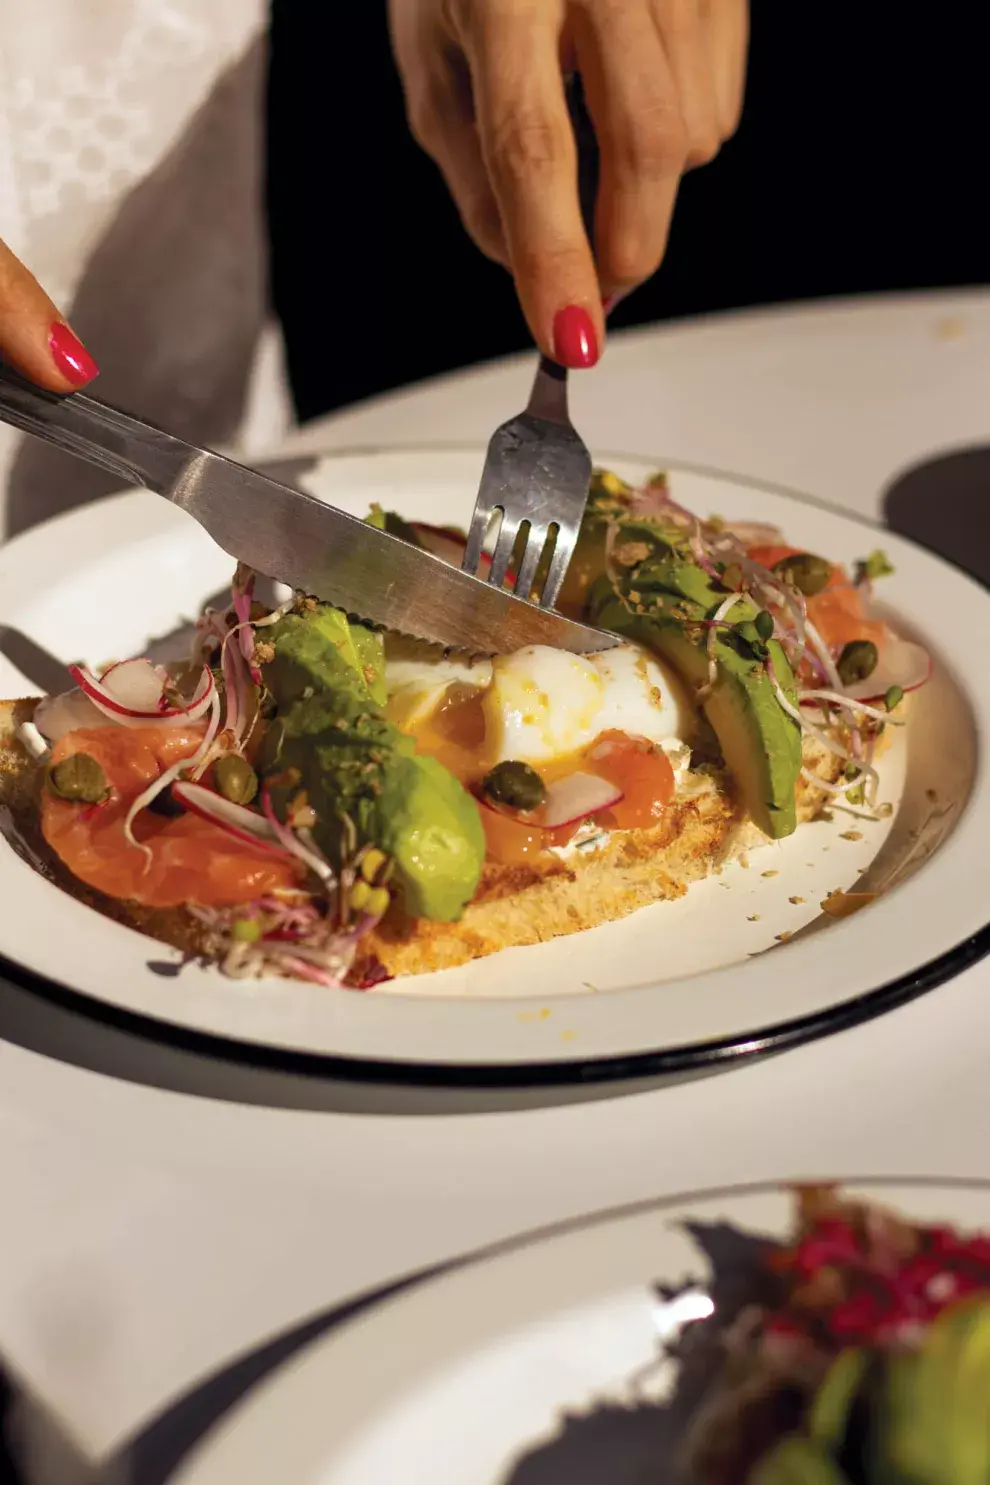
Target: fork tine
[480,521]
[504,548]
[567,535]
[536,540]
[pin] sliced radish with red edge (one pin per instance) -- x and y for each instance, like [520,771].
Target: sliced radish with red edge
[103,697]
[902,663]
[575,798]
[135,684]
[243,824]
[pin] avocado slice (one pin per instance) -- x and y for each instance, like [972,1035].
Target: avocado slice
[828,1419]
[760,742]
[932,1422]
[330,736]
[796,1461]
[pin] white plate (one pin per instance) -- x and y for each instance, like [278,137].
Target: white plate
[538,1365]
[678,984]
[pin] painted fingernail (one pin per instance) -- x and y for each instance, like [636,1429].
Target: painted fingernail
[575,342]
[71,356]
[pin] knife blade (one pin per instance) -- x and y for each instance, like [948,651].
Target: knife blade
[294,538]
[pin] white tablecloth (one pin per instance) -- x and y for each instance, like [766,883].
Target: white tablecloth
[148,1235]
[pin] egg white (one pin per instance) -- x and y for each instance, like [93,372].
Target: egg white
[418,675]
[542,704]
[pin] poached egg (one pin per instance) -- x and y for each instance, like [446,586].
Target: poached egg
[540,705]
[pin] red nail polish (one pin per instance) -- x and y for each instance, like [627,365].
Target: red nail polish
[71,356]
[574,340]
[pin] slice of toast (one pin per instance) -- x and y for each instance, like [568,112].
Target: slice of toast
[699,831]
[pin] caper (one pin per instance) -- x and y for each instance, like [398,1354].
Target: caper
[235,779]
[764,625]
[79,778]
[808,574]
[893,696]
[372,863]
[378,901]
[857,661]
[246,930]
[360,895]
[516,785]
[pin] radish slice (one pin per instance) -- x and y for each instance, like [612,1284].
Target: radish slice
[243,824]
[577,797]
[130,716]
[136,684]
[902,663]
[57,715]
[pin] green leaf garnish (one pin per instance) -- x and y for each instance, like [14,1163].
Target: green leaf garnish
[876,565]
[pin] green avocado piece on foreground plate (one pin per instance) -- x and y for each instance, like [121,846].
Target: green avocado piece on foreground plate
[330,738]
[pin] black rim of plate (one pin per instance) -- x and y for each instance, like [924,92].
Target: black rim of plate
[579,1072]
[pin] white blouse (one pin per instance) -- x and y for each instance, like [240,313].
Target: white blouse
[131,171]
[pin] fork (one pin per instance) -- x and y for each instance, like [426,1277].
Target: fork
[536,477]
[537,470]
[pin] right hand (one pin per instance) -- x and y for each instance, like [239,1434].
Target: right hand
[34,337]
[484,90]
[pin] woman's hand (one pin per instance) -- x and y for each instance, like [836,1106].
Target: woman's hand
[485,95]
[34,338]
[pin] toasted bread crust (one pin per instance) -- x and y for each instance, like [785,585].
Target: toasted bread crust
[513,906]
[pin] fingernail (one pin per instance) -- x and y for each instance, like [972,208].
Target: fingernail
[71,356]
[575,342]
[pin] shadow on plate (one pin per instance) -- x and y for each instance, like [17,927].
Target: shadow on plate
[944,504]
[41,668]
[642,1441]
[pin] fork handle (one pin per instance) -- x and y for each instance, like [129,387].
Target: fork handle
[548,397]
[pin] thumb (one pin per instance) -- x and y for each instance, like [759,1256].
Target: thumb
[34,337]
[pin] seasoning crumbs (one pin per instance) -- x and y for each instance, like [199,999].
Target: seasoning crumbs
[851,835]
[769,873]
[783,938]
[753,918]
[796,901]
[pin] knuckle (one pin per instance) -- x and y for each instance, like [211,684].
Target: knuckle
[525,143]
[424,114]
[654,147]
[549,267]
[704,146]
[631,262]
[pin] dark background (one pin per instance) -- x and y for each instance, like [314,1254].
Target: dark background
[859,166]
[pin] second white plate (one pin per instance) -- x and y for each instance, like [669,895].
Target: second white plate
[540,1364]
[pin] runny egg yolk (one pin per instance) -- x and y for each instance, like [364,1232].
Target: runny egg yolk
[562,714]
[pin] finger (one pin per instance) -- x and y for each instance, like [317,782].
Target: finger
[686,42]
[529,150]
[441,117]
[34,338]
[728,41]
[634,106]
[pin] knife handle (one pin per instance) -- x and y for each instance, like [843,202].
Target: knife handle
[137,452]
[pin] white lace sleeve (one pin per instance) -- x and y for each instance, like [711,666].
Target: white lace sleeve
[131,151]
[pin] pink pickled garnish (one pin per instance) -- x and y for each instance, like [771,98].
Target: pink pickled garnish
[890,1296]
